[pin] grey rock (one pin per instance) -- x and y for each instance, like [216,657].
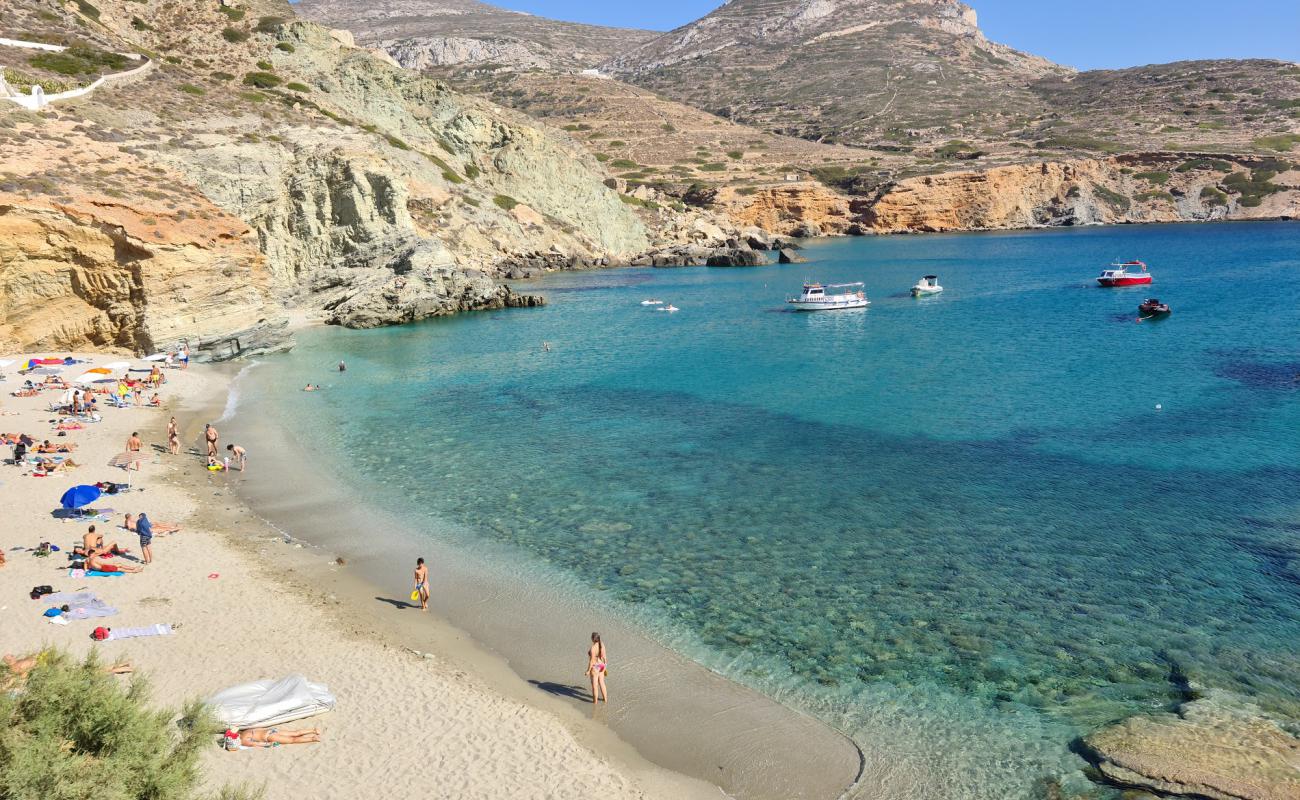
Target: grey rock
[788,256]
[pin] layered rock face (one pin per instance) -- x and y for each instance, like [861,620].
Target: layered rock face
[1144,188]
[77,276]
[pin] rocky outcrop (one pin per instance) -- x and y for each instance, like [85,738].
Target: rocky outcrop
[788,256]
[106,276]
[422,52]
[790,208]
[1138,188]
[1215,747]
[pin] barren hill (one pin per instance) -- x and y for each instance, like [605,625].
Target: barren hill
[429,33]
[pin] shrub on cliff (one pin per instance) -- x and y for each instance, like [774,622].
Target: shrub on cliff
[234,35]
[79,60]
[261,80]
[71,731]
[505,202]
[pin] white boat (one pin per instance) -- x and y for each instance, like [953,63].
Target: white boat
[668,308]
[816,298]
[652,302]
[927,285]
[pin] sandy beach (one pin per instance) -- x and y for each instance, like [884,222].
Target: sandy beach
[431,719]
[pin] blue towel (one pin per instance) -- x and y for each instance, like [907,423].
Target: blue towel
[93,573]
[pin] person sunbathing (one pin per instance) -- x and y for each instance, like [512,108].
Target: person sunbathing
[92,543]
[19,668]
[98,563]
[158,527]
[47,447]
[267,737]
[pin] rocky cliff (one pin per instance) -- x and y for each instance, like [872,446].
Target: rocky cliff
[359,190]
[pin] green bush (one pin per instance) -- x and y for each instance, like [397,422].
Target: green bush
[253,97]
[713,166]
[223,76]
[1158,178]
[79,60]
[448,174]
[284,47]
[73,732]
[472,171]
[1115,200]
[638,202]
[24,82]
[269,24]
[1281,143]
[262,80]
[395,142]
[1154,195]
[623,163]
[297,87]
[266,66]
[140,25]
[1204,164]
[505,202]
[190,88]
[235,14]
[617,143]
[88,10]
[234,35]
[1213,196]
[602,157]
[735,155]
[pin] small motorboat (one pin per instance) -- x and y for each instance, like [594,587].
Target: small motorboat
[1151,307]
[927,286]
[815,298]
[1118,274]
[652,302]
[668,308]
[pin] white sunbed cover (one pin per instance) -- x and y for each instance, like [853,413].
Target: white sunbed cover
[270,702]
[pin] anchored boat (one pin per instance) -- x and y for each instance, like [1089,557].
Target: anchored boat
[1151,307]
[926,286]
[816,298]
[1118,274]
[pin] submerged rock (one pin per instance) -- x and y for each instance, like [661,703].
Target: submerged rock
[788,256]
[1217,746]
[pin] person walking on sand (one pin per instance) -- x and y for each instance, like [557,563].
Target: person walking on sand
[596,668]
[133,445]
[239,454]
[422,583]
[210,434]
[173,437]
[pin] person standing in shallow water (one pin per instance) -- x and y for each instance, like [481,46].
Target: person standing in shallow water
[596,661]
[173,437]
[210,434]
[422,583]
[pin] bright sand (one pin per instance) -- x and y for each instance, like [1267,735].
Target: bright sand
[447,721]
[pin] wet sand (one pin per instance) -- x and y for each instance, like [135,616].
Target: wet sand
[527,637]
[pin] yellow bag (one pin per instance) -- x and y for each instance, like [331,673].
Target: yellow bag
[415,595]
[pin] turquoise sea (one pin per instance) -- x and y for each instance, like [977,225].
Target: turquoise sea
[982,523]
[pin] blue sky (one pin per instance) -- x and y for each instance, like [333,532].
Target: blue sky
[1091,35]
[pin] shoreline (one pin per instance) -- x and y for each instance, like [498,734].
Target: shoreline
[404,720]
[489,621]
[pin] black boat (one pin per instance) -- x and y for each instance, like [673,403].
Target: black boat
[1151,307]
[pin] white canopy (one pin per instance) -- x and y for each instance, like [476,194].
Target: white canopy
[7,362]
[270,702]
[89,377]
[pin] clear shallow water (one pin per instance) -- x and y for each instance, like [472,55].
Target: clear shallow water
[958,528]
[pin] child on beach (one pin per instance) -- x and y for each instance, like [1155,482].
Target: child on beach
[239,455]
[422,583]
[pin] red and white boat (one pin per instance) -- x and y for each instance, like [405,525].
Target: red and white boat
[1118,274]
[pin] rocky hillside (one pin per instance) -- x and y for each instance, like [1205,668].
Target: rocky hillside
[433,33]
[265,165]
[861,72]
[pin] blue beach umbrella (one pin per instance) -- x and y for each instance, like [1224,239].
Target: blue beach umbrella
[79,496]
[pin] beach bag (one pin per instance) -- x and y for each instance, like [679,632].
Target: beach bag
[40,591]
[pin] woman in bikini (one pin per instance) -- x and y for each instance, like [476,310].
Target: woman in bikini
[596,668]
[268,737]
[173,437]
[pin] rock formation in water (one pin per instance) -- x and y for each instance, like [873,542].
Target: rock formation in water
[1215,747]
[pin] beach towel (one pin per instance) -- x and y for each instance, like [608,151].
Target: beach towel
[95,608]
[161,629]
[93,573]
[69,598]
[270,702]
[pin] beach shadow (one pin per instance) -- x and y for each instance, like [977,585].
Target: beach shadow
[562,690]
[398,604]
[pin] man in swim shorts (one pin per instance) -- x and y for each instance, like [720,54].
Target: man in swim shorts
[211,436]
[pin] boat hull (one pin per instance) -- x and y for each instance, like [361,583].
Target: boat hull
[919,292]
[1129,280]
[828,306]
